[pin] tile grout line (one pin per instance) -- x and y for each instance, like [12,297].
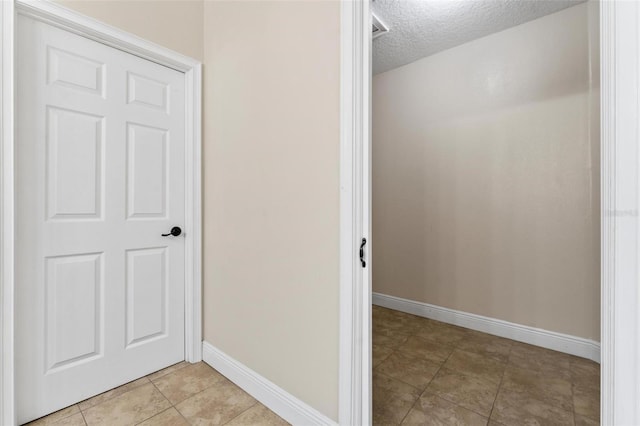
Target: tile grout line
[465,374]
[165,397]
[573,405]
[110,398]
[155,415]
[197,393]
[172,404]
[500,385]
[230,420]
[459,345]
[427,386]
[83,417]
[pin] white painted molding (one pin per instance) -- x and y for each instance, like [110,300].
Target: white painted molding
[54,14]
[269,394]
[193,214]
[578,346]
[354,394]
[620,188]
[7,401]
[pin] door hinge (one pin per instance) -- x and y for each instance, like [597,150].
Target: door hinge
[362,261]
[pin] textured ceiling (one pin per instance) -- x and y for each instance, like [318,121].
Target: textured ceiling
[420,28]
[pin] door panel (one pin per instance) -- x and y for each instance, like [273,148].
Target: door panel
[74,143]
[146,171]
[146,294]
[73,283]
[100,176]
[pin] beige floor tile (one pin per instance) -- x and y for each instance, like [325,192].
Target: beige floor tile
[515,383]
[420,347]
[169,417]
[472,364]
[53,418]
[187,381]
[165,371]
[389,339]
[443,334]
[258,415]
[515,409]
[544,361]
[392,400]
[486,344]
[466,391]
[397,325]
[72,420]
[216,405]
[585,373]
[586,402]
[586,421]
[98,399]
[552,390]
[417,372]
[379,354]
[129,408]
[432,410]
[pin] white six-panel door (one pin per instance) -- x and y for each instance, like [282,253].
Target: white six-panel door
[100,176]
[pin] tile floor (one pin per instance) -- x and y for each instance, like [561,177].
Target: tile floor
[425,373]
[429,373]
[183,394]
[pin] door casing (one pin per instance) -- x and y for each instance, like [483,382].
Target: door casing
[76,23]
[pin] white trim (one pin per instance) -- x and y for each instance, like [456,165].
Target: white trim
[573,345]
[64,18]
[7,403]
[620,187]
[193,215]
[269,394]
[355,281]
[69,20]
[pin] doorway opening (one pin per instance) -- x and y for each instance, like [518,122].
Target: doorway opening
[485,178]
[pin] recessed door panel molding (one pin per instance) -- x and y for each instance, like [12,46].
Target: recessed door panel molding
[146,295]
[74,71]
[73,289]
[148,92]
[147,171]
[74,164]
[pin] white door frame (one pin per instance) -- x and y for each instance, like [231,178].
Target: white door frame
[61,17]
[355,207]
[620,201]
[620,206]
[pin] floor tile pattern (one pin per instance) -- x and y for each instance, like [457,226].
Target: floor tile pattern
[429,373]
[424,373]
[182,394]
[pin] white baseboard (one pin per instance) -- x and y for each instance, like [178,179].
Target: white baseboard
[272,396]
[577,346]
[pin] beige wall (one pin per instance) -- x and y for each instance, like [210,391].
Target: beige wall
[176,24]
[271,178]
[485,176]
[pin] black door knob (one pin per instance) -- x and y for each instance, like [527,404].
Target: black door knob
[175,231]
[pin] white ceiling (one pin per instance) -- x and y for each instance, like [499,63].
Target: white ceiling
[420,28]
